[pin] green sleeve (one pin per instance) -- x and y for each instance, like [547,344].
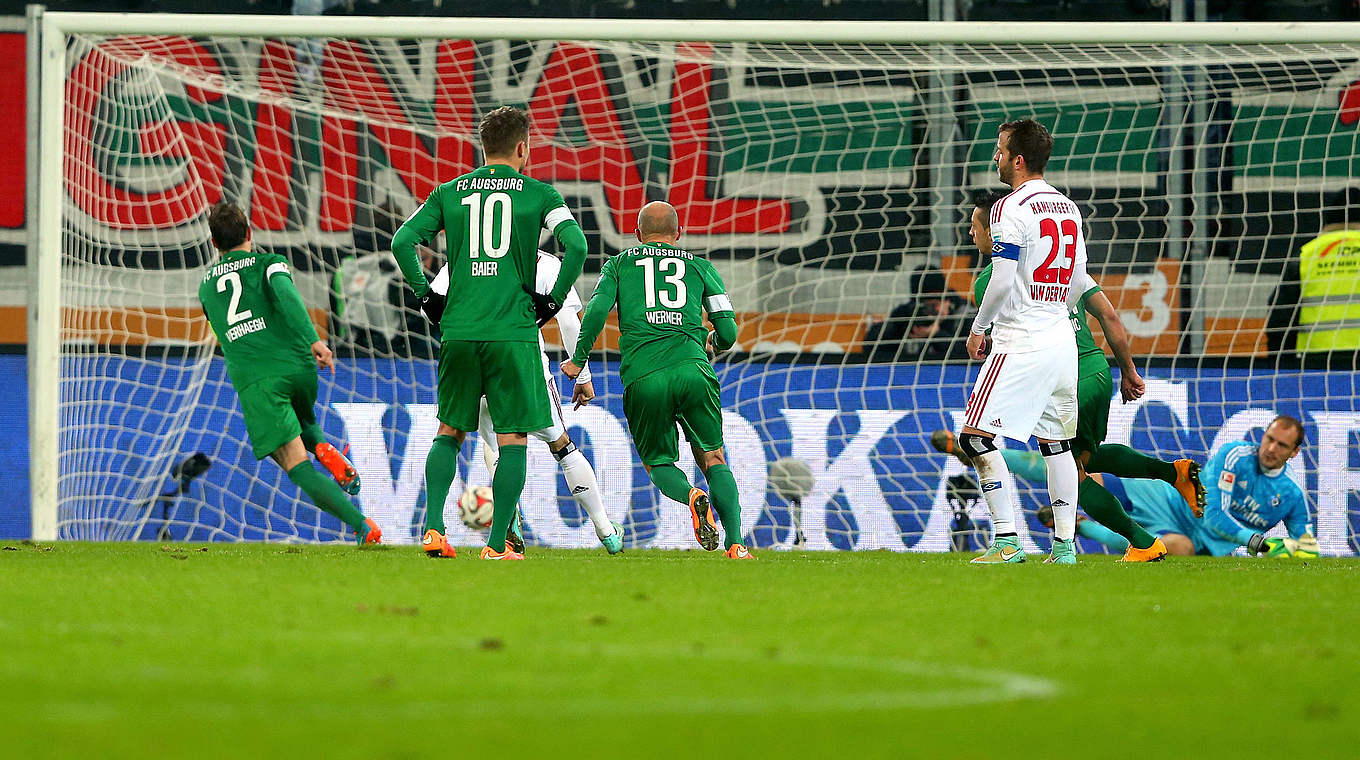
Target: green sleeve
[724,331]
[573,242]
[719,308]
[421,227]
[597,311]
[291,307]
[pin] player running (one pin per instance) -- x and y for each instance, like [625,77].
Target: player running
[1028,385]
[576,469]
[272,354]
[1094,387]
[491,218]
[665,370]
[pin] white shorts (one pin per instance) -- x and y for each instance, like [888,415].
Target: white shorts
[548,434]
[1033,393]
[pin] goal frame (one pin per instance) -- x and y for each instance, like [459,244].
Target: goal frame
[47,112]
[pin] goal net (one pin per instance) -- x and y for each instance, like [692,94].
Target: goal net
[830,182]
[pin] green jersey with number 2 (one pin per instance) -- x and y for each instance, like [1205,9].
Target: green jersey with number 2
[257,338]
[662,292]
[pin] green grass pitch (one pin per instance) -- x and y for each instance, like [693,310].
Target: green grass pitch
[145,650]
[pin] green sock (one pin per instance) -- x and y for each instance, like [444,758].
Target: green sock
[326,494]
[1105,509]
[311,436]
[506,486]
[671,482]
[1123,461]
[440,468]
[726,502]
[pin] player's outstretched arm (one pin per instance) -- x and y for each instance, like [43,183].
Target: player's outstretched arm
[1131,385]
[291,307]
[1218,477]
[421,227]
[601,303]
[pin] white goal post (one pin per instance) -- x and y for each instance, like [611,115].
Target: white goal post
[832,159]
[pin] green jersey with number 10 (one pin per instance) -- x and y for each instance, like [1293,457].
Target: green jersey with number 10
[661,292]
[491,217]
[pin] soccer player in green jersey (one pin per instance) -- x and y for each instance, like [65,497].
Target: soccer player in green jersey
[661,292]
[1094,388]
[489,319]
[272,354]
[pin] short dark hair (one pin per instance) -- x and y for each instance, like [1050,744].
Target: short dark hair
[228,226]
[503,129]
[1293,422]
[1029,140]
[985,199]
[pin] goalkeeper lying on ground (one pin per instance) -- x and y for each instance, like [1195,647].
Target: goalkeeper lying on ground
[1250,490]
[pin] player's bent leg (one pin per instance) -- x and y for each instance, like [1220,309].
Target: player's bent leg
[585,489]
[1189,486]
[1178,545]
[339,466]
[326,494]
[981,449]
[944,442]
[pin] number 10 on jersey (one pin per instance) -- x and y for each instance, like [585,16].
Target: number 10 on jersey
[488,230]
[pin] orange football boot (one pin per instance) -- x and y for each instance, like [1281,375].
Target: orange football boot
[435,546]
[489,553]
[1155,553]
[371,533]
[738,551]
[701,512]
[339,466]
[1187,482]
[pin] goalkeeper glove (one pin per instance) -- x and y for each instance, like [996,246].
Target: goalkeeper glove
[545,307]
[1278,548]
[432,304]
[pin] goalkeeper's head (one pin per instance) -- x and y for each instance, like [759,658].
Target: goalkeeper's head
[229,228]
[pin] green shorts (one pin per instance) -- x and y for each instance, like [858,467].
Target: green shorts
[277,409]
[508,373]
[1093,410]
[687,394]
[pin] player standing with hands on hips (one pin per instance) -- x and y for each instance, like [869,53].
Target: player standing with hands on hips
[1028,384]
[489,320]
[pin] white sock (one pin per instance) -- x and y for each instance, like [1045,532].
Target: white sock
[992,478]
[586,491]
[1062,493]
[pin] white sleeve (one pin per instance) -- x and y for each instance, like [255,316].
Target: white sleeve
[1081,282]
[440,283]
[549,266]
[569,324]
[1003,273]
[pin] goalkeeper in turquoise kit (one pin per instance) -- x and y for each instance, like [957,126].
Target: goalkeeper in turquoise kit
[491,218]
[272,353]
[661,292]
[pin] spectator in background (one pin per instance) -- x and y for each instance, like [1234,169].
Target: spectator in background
[932,326]
[1316,307]
[368,286]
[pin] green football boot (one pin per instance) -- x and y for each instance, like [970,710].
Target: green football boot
[1004,550]
[613,543]
[1064,553]
[514,538]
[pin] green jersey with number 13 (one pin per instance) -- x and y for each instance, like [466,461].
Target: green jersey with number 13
[661,292]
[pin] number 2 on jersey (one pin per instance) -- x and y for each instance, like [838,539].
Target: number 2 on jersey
[234,280]
[676,279]
[1055,269]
